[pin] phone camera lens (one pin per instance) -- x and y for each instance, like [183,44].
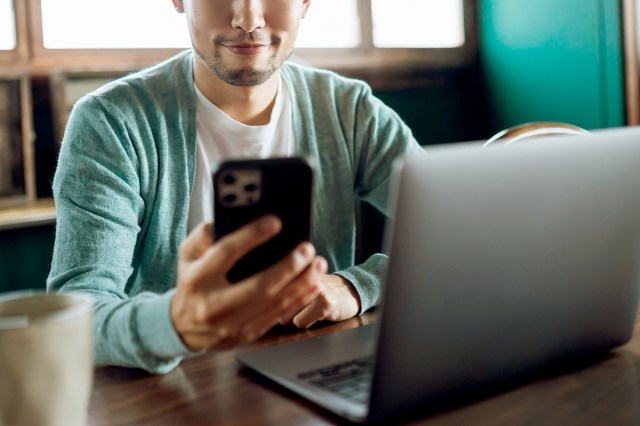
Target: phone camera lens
[229,179]
[230,198]
[251,187]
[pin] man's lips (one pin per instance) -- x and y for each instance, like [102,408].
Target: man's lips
[247,49]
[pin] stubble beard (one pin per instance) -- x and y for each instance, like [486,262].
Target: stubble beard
[240,76]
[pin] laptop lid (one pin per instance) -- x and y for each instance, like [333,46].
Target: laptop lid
[502,260]
[507,258]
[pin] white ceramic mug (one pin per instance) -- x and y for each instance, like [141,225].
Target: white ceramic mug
[46,358]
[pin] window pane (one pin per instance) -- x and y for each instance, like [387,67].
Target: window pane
[417,23]
[7,26]
[330,23]
[113,24]
[89,24]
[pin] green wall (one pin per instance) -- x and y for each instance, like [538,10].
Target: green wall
[25,257]
[553,60]
[452,108]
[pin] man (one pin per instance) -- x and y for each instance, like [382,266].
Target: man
[134,179]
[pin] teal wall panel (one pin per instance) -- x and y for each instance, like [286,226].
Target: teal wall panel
[553,60]
[25,257]
[452,108]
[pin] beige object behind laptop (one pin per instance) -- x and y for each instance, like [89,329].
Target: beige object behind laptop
[535,129]
[502,261]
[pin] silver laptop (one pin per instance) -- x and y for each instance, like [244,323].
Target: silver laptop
[502,260]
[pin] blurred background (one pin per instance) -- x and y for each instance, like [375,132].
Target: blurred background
[455,70]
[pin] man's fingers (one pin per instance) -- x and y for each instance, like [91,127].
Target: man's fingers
[265,289]
[286,308]
[272,307]
[316,311]
[197,242]
[248,322]
[273,279]
[319,267]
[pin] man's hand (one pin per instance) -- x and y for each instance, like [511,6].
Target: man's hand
[208,312]
[337,300]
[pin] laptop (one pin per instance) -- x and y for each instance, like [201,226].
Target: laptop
[503,260]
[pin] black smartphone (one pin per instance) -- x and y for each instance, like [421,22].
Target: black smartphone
[247,189]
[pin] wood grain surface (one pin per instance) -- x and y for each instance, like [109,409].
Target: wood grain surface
[213,389]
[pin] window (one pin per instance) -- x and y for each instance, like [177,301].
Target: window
[162,27]
[7,26]
[394,24]
[122,24]
[335,32]
[417,23]
[388,33]
[13,34]
[345,25]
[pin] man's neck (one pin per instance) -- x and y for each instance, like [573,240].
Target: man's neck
[249,105]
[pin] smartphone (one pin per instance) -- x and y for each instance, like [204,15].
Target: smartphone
[247,189]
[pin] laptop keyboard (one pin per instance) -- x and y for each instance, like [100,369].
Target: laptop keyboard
[351,379]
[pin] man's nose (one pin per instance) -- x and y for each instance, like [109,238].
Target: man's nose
[248,15]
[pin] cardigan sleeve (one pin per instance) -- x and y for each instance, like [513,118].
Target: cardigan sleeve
[98,236]
[380,137]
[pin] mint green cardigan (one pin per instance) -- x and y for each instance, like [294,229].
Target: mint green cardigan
[125,174]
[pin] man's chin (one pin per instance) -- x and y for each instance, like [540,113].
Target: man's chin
[240,73]
[245,76]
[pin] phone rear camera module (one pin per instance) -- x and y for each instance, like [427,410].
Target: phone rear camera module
[239,188]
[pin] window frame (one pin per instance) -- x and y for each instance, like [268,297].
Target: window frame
[362,57]
[631,20]
[23,82]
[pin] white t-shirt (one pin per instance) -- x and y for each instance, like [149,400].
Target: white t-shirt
[220,137]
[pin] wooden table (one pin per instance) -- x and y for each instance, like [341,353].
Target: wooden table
[214,390]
